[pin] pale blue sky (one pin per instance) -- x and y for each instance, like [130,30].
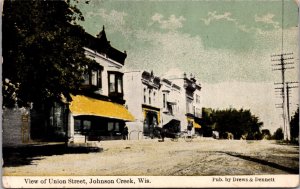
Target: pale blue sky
[222,42]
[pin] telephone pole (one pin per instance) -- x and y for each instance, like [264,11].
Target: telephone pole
[283,60]
[288,88]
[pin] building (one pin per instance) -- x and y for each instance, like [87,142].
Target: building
[97,111]
[189,107]
[171,102]
[142,99]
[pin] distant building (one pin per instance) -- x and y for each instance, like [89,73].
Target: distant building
[142,99]
[171,102]
[163,102]
[189,109]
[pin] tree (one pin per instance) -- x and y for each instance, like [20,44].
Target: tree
[278,134]
[238,122]
[295,125]
[266,134]
[43,55]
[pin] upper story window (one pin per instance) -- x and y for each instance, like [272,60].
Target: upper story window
[189,106]
[150,96]
[93,78]
[164,100]
[145,95]
[115,83]
[197,99]
[154,98]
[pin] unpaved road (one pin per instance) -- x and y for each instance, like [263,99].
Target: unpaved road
[151,157]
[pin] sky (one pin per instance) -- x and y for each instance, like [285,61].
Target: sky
[226,44]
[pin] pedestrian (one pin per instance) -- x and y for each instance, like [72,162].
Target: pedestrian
[189,128]
[125,133]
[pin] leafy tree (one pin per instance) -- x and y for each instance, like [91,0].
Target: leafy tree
[238,122]
[278,134]
[295,125]
[43,55]
[266,134]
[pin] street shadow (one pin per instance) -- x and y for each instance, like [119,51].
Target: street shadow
[25,155]
[264,162]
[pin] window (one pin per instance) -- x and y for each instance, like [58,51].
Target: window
[81,126]
[119,85]
[93,78]
[115,81]
[154,98]
[77,125]
[164,100]
[86,124]
[189,107]
[170,109]
[117,126]
[149,96]
[110,126]
[112,83]
[197,99]
[145,95]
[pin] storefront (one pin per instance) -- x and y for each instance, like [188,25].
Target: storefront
[194,125]
[151,119]
[92,119]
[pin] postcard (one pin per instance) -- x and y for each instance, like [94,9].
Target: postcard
[150,94]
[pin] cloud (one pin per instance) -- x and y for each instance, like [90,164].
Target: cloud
[172,23]
[213,16]
[114,19]
[267,19]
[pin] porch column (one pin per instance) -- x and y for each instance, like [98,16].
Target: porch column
[70,127]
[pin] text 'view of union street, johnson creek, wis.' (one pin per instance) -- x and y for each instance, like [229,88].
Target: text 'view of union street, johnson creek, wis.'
[103,93]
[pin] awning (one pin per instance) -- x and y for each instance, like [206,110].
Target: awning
[82,105]
[172,125]
[196,125]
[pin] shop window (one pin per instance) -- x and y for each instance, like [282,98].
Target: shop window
[86,125]
[81,126]
[117,126]
[77,126]
[110,126]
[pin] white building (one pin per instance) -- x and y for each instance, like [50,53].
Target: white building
[97,110]
[189,109]
[141,91]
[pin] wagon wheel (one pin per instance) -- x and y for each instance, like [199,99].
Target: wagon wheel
[188,138]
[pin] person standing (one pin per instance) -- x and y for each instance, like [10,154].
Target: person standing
[125,133]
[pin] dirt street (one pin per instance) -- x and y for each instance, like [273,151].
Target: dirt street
[151,157]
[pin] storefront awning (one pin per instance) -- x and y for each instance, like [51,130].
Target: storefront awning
[82,105]
[197,126]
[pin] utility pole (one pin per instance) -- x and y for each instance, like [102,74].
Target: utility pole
[281,66]
[288,88]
